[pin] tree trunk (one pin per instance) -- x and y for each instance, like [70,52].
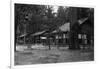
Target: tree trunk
[74,41]
[49,44]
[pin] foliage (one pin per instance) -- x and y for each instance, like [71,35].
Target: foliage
[37,18]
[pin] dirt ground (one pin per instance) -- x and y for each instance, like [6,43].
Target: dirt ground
[33,56]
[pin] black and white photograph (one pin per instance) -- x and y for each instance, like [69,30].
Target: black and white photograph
[45,34]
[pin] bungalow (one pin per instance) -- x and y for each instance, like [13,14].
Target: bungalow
[82,33]
[87,32]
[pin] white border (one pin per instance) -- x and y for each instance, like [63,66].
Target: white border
[12,34]
[41,2]
[57,2]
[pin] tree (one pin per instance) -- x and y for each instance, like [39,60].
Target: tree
[63,13]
